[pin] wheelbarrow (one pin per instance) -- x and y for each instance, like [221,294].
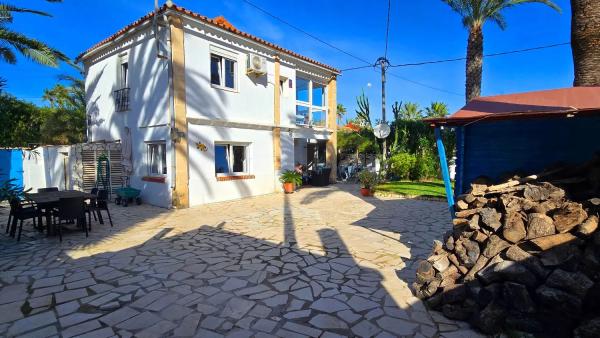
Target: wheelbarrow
[126,195]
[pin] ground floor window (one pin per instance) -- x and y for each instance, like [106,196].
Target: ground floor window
[231,158]
[157,158]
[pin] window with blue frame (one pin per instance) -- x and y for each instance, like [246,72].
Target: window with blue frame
[223,71]
[231,158]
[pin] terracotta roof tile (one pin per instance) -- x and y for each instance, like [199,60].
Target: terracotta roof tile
[219,21]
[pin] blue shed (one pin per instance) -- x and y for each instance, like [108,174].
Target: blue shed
[524,133]
[11,166]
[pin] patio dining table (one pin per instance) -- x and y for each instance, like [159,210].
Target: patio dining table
[50,199]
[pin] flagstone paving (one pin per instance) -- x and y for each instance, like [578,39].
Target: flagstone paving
[318,263]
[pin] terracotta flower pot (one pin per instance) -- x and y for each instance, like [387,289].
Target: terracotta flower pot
[288,188]
[366,192]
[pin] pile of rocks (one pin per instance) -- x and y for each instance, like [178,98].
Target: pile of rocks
[521,257]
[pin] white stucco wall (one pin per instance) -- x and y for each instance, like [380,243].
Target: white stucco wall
[204,187]
[148,117]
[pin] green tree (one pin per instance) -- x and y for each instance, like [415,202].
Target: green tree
[410,111]
[340,112]
[474,14]
[64,121]
[20,122]
[12,41]
[436,109]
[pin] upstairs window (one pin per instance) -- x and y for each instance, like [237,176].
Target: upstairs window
[231,158]
[311,103]
[124,74]
[223,71]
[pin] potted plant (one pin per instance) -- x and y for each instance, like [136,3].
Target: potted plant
[368,181]
[290,180]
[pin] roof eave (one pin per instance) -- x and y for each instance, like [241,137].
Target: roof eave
[195,16]
[458,121]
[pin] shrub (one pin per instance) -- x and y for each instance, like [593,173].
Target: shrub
[367,179]
[425,167]
[401,165]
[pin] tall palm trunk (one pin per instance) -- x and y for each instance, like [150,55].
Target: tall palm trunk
[474,63]
[585,41]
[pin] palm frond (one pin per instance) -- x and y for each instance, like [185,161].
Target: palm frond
[548,3]
[7,55]
[7,10]
[32,48]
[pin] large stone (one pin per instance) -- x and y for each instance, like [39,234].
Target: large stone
[514,227]
[569,216]
[454,293]
[588,329]
[397,326]
[467,251]
[558,301]
[518,298]
[491,218]
[589,226]
[507,271]
[325,321]
[425,272]
[460,311]
[236,308]
[439,262]
[494,246]
[575,283]
[491,319]
[328,305]
[535,193]
[539,225]
[515,253]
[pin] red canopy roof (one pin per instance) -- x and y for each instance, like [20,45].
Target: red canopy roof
[556,102]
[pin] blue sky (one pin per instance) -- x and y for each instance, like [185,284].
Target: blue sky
[420,30]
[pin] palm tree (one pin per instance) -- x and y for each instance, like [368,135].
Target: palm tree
[410,111]
[475,13]
[436,109]
[341,111]
[585,41]
[11,41]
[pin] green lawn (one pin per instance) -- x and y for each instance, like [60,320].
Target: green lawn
[410,188]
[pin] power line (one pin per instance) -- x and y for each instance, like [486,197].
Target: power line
[387,28]
[359,67]
[424,85]
[307,33]
[485,55]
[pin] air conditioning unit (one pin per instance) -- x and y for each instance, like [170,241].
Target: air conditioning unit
[257,65]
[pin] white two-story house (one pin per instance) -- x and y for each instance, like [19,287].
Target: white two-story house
[213,113]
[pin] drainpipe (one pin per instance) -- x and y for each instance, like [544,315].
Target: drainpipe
[445,172]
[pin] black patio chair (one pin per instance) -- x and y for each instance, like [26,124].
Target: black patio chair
[48,189]
[98,205]
[70,209]
[19,212]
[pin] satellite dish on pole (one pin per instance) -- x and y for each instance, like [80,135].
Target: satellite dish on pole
[382,130]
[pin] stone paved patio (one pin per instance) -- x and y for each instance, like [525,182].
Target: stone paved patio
[319,263]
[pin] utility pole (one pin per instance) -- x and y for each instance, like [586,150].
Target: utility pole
[383,63]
